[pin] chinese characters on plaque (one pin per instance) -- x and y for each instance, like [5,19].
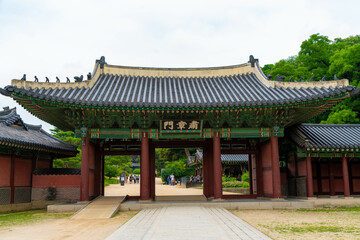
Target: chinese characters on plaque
[182,125]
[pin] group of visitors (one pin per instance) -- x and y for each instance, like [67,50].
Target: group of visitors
[197,178]
[133,179]
[171,180]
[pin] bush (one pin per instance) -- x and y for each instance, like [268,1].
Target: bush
[111,171]
[235,184]
[136,171]
[108,181]
[165,172]
[245,177]
[228,179]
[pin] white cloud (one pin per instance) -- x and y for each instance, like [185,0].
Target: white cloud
[63,38]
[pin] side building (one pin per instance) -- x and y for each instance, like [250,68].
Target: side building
[26,158]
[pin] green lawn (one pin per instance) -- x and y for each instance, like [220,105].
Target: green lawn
[23,217]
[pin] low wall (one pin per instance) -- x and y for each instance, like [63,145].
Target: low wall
[55,187]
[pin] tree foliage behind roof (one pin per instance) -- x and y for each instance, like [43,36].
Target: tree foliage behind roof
[321,57]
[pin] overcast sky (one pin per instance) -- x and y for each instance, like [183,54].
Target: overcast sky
[64,38]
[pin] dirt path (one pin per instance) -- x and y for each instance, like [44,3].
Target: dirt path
[65,228]
[292,224]
[160,190]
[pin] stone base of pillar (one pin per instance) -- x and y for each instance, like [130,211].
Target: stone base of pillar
[348,197]
[277,199]
[218,200]
[334,197]
[145,201]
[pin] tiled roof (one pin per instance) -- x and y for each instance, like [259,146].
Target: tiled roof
[14,132]
[234,157]
[57,171]
[226,157]
[240,85]
[329,136]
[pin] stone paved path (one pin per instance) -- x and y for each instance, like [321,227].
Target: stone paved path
[186,223]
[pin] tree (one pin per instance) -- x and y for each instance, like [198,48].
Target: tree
[69,137]
[122,163]
[342,117]
[318,57]
[111,171]
[315,55]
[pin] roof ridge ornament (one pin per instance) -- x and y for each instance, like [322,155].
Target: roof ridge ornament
[79,79]
[253,60]
[101,61]
[24,77]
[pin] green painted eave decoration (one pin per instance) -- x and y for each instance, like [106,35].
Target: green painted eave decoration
[329,152]
[125,133]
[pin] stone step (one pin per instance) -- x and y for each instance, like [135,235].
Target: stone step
[179,198]
[101,207]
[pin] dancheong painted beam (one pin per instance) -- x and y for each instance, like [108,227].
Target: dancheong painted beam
[122,133]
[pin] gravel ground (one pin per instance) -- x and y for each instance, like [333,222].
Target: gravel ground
[67,229]
[302,224]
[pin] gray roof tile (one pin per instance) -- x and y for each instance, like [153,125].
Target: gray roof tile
[14,130]
[332,136]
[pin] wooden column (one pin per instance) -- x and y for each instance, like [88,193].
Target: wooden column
[331,177]
[259,173]
[152,171]
[98,171]
[144,168]
[102,174]
[345,172]
[250,173]
[217,166]
[84,186]
[309,177]
[275,167]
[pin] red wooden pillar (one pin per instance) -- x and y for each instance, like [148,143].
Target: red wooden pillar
[250,167]
[98,171]
[102,174]
[275,167]
[84,186]
[345,177]
[259,173]
[331,177]
[144,168]
[152,171]
[309,177]
[217,166]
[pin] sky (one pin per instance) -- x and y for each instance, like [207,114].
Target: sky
[64,38]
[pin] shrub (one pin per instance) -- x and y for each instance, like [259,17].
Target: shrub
[228,179]
[111,171]
[136,171]
[108,181]
[245,177]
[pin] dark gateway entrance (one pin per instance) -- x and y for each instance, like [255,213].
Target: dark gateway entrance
[132,110]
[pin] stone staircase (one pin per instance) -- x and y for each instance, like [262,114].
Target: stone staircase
[180,198]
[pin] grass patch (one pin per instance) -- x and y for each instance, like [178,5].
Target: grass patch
[306,228]
[108,181]
[23,217]
[331,209]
